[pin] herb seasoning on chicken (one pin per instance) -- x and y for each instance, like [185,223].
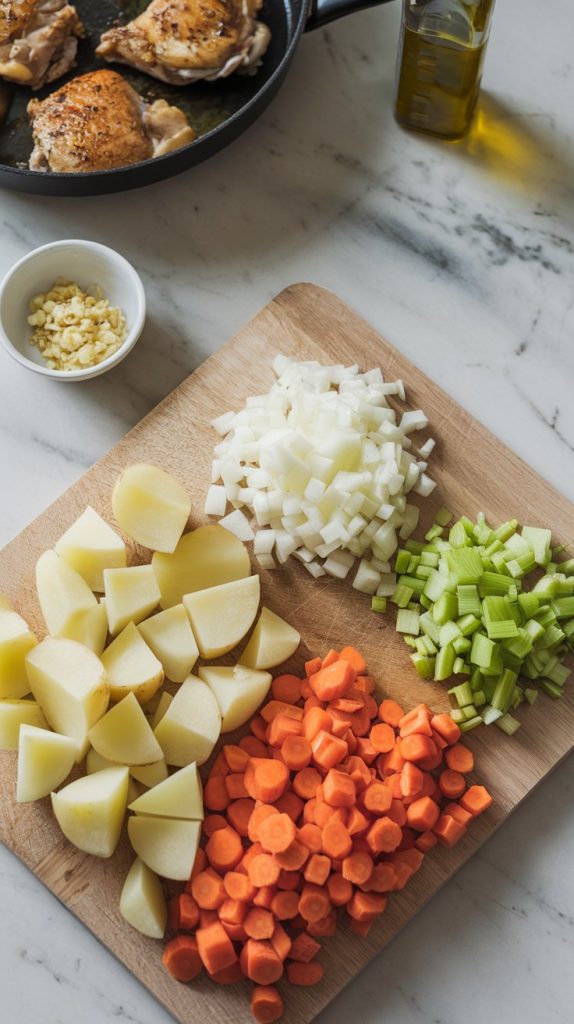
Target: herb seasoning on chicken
[182,41]
[38,40]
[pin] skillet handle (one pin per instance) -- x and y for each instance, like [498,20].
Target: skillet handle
[321,12]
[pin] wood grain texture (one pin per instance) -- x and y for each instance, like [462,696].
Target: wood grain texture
[475,472]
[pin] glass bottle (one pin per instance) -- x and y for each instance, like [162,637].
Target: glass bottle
[440,64]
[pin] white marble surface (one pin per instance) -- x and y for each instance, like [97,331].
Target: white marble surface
[463,257]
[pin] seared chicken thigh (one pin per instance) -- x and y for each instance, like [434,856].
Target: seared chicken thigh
[38,40]
[97,122]
[180,41]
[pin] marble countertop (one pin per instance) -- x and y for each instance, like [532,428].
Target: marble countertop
[462,256]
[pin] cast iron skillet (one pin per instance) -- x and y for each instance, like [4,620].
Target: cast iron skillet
[219,111]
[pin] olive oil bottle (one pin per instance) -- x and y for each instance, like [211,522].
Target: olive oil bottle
[439,65]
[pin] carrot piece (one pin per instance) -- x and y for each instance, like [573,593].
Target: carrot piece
[293,858]
[366,750]
[304,949]
[276,833]
[391,712]
[339,889]
[317,869]
[236,757]
[306,782]
[258,726]
[412,779]
[264,897]
[298,924]
[382,737]
[459,758]
[408,840]
[285,905]
[251,852]
[181,958]
[287,689]
[238,887]
[315,721]
[306,691]
[207,890]
[296,752]
[183,913]
[281,942]
[239,815]
[259,923]
[383,878]
[423,814]
[304,974]
[397,812]
[337,842]
[356,822]
[232,911]
[215,947]
[215,796]
[199,864]
[451,784]
[360,772]
[325,927]
[290,804]
[341,722]
[366,906]
[391,763]
[289,880]
[426,841]
[252,746]
[309,811]
[416,747]
[270,781]
[312,666]
[328,750]
[428,764]
[228,975]
[339,789]
[361,722]
[358,867]
[332,680]
[259,814]
[361,928]
[458,813]
[346,704]
[365,683]
[384,835]
[280,707]
[314,902]
[224,849]
[213,822]
[416,721]
[263,870]
[476,800]
[438,740]
[355,659]
[310,835]
[207,917]
[235,786]
[330,658]
[260,962]
[377,798]
[311,702]
[448,729]
[219,767]
[281,727]
[266,1004]
[448,831]
[412,857]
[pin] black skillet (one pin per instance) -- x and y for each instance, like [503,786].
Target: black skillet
[219,111]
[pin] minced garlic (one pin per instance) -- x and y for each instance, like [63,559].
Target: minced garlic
[73,329]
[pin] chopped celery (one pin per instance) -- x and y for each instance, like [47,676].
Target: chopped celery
[508,724]
[408,622]
[506,530]
[519,645]
[498,618]
[468,599]
[567,567]
[535,630]
[443,517]
[563,607]
[425,602]
[460,667]
[504,691]
[434,532]
[458,537]
[413,582]
[435,585]
[445,608]
[531,694]
[402,560]
[423,665]
[457,715]
[547,587]
[479,698]
[448,633]
[492,583]
[378,604]
[462,694]
[430,558]
[460,643]
[465,564]
[482,650]
[415,547]
[413,564]
[468,624]
[469,712]
[490,715]
[476,680]
[444,663]
[472,723]
[401,595]
[423,572]
[540,541]
[551,688]
[559,674]
[429,627]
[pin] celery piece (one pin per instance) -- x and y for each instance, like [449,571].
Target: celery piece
[534,629]
[567,567]
[502,697]
[424,645]
[469,711]
[493,583]
[435,585]
[568,628]
[458,537]
[519,645]
[468,624]
[444,609]
[443,517]
[553,637]
[423,665]
[551,689]
[496,609]
[512,593]
[408,622]
[545,616]
[423,572]
[531,695]
[462,694]
[479,698]
[413,564]
[540,541]
[430,558]
[378,604]
[490,715]
[563,607]
[481,653]
[476,681]
[434,532]
[546,588]
[559,674]
[565,586]
[461,644]
[460,667]
[500,562]
[448,633]
[468,526]
[429,627]
[410,642]
[502,630]
[444,663]
[414,547]
[416,585]
[424,600]
[515,569]
[517,545]
[465,565]
[468,599]
[470,724]
[527,562]
[457,716]
[508,724]
[492,548]
[506,530]
[496,665]
[402,560]
[401,596]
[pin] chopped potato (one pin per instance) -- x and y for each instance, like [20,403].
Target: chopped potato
[151,507]
[206,557]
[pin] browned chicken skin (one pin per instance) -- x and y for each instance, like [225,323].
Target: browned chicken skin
[181,41]
[97,122]
[38,40]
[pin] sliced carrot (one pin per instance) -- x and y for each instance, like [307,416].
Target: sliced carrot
[253,746]
[266,1004]
[219,767]
[260,962]
[290,804]
[304,948]
[236,757]
[358,867]
[416,721]
[426,841]
[215,947]
[259,815]
[281,727]
[181,958]
[326,926]
[315,721]
[361,928]
[438,740]
[339,789]
[258,726]
[459,758]
[377,798]
[337,842]
[306,782]
[276,833]
[207,890]
[451,784]
[328,750]
[233,911]
[383,878]
[384,835]
[330,658]
[310,835]
[366,906]
[270,780]
[239,815]
[259,923]
[285,905]
[293,858]
[412,857]
[312,666]
[365,683]
[235,786]
[397,812]
[304,974]
[296,752]
[382,737]
[207,917]
[263,870]
[361,722]
[458,813]
[224,849]
[417,747]
[332,681]
[264,897]
[476,800]
[448,729]
[199,864]
[391,763]
[281,942]
[355,659]
[215,795]
[251,852]
[317,869]
[412,779]
[311,701]
[280,707]
[391,712]
[238,887]
[366,750]
[346,704]
[448,831]
[287,688]
[339,889]
[289,880]
[228,975]
[341,723]
[428,764]
[309,811]
[357,822]
[314,902]
[306,691]
[213,822]
[423,814]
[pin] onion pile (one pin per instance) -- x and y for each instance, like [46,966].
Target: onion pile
[322,465]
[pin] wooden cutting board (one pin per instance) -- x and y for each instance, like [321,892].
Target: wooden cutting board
[475,472]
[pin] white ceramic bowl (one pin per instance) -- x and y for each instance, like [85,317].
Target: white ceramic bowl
[85,263]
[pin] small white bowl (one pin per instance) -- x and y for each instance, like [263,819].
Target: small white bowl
[85,263]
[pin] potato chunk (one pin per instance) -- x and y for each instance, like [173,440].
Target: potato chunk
[272,642]
[142,902]
[207,557]
[63,595]
[149,774]
[13,714]
[16,639]
[238,691]
[45,759]
[179,796]
[71,687]
[167,846]
[151,507]
[124,735]
[171,639]
[191,725]
[90,811]
[89,545]
[90,628]
[221,616]
[131,666]
[131,595]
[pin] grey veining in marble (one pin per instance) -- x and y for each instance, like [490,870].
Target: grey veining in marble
[463,256]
